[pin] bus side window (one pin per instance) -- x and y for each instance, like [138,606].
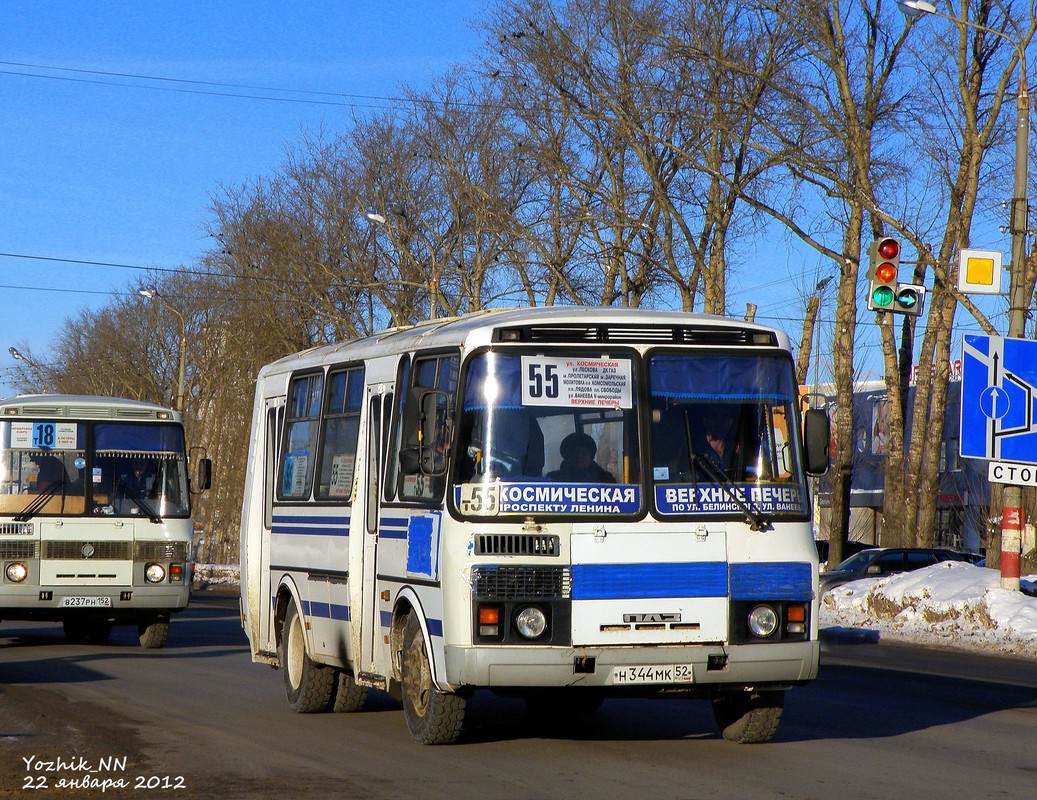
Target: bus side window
[341,427]
[300,439]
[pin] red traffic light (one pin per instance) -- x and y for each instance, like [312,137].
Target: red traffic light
[889,249]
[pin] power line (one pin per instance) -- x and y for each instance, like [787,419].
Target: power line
[369,100]
[89,263]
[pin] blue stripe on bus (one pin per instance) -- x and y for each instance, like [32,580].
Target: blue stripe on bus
[310,525]
[308,531]
[634,581]
[393,527]
[326,610]
[771,581]
[311,518]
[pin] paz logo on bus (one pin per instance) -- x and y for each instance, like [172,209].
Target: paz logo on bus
[666,616]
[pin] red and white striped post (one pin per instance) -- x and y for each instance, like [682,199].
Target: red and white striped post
[1011,546]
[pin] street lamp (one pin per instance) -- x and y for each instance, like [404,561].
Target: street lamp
[1012,510]
[42,372]
[434,288]
[151,293]
[819,290]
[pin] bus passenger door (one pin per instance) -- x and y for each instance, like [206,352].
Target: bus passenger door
[273,413]
[365,523]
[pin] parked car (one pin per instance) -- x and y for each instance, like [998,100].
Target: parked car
[850,547]
[878,561]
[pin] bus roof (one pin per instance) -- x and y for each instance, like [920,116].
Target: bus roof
[541,325]
[73,406]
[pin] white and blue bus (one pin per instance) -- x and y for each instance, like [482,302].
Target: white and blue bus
[557,503]
[95,514]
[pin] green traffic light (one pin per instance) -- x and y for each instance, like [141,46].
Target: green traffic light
[882,296]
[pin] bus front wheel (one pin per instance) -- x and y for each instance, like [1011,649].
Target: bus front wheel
[349,695]
[308,686]
[748,717]
[433,716]
[153,633]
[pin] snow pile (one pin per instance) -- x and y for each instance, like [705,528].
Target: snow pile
[206,575]
[948,604]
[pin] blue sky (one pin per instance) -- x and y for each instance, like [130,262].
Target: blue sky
[95,167]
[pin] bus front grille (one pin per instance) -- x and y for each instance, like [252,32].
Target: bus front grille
[72,550]
[19,550]
[160,551]
[521,583]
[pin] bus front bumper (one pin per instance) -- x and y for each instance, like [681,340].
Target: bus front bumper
[685,667]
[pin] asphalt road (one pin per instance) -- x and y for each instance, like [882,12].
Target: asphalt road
[198,720]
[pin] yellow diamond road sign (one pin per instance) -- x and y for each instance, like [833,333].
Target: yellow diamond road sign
[979,272]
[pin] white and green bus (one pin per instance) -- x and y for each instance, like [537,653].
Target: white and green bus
[95,514]
[563,504]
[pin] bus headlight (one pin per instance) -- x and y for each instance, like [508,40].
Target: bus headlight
[17,572]
[762,621]
[531,622]
[154,573]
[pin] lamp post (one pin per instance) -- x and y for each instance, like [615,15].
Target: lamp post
[1012,509]
[151,293]
[42,372]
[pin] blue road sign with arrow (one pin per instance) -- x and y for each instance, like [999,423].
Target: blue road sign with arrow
[998,394]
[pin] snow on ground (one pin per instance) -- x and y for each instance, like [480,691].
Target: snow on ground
[950,604]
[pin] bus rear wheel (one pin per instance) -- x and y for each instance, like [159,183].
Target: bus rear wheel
[308,686]
[748,717]
[433,716]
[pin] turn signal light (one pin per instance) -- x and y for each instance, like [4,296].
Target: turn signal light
[489,620]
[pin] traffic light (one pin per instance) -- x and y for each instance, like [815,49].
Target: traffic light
[883,266]
[885,293]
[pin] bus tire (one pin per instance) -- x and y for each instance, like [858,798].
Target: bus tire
[153,633]
[349,696]
[748,717]
[433,716]
[308,686]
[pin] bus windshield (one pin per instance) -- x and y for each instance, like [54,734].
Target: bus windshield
[550,434]
[75,468]
[722,434]
[558,434]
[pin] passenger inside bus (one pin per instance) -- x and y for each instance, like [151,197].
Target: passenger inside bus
[139,481]
[578,465]
[715,439]
[713,435]
[51,473]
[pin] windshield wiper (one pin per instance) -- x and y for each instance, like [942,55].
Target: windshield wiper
[38,502]
[139,501]
[758,521]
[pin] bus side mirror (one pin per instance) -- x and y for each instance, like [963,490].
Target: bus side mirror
[426,434]
[816,438]
[203,477]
